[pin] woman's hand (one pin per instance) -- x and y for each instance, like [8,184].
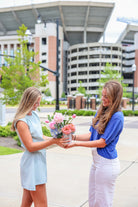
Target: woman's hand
[62,142]
[70,145]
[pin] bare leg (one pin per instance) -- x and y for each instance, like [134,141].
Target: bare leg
[39,196]
[26,199]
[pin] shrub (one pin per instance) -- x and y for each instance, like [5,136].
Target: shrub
[46,131]
[5,131]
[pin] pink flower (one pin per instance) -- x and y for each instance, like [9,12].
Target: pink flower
[52,124]
[66,129]
[46,121]
[58,118]
[72,127]
[74,116]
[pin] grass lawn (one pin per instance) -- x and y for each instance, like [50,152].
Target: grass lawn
[8,151]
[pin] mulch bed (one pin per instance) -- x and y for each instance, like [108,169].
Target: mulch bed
[9,142]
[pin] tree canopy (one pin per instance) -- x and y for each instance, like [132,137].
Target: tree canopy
[110,73]
[20,71]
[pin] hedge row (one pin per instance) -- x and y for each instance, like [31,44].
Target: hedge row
[5,131]
[92,113]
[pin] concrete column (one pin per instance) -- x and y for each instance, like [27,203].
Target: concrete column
[93,103]
[83,102]
[69,97]
[2,110]
[79,101]
[124,102]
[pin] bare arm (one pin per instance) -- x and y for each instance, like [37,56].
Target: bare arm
[96,143]
[27,140]
[82,137]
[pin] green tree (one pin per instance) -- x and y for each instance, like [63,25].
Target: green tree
[110,73]
[20,72]
[47,92]
[63,95]
[81,89]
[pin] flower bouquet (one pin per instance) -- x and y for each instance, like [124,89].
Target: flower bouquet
[61,125]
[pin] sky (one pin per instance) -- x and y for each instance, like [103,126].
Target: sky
[123,8]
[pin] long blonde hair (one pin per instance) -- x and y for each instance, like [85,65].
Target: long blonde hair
[28,99]
[114,93]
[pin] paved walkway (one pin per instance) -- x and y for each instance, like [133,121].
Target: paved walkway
[68,171]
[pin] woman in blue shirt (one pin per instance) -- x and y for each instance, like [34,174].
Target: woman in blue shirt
[33,168]
[102,138]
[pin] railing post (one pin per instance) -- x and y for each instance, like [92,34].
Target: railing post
[93,103]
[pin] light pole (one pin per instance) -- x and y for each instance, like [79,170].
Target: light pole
[56,73]
[133,98]
[28,37]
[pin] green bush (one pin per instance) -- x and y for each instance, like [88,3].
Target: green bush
[130,113]
[92,113]
[16,138]
[5,131]
[46,131]
[78,112]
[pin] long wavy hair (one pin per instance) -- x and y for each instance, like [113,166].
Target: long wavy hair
[28,99]
[114,92]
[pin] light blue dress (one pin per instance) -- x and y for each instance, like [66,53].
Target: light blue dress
[33,164]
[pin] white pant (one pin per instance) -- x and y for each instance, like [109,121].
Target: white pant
[102,179]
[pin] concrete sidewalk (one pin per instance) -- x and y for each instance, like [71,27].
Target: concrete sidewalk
[68,171]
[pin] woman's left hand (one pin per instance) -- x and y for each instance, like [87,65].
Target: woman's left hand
[70,145]
[62,142]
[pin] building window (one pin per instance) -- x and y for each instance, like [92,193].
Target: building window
[73,89]
[43,41]
[106,56]
[93,56]
[74,58]
[74,66]
[43,53]
[92,80]
[83,49]
[73,51]
[82,80]
[73,81]
[94,64]
[93,88]
[106,48]
[93,48]
[83,73]
[83,65]
[43,61]
[73,74]
[114,56]
[83,57]
[93,72]
[103,64]
[115,48]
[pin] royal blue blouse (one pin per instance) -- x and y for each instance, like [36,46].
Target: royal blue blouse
[111,135]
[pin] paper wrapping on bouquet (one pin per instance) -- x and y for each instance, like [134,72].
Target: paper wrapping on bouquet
[68,136]
[56,133]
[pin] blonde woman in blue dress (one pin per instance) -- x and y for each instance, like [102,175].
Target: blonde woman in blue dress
[33,162]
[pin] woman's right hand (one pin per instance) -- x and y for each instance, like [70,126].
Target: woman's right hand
[62,142]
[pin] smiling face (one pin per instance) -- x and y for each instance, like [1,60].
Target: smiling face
[105,99]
